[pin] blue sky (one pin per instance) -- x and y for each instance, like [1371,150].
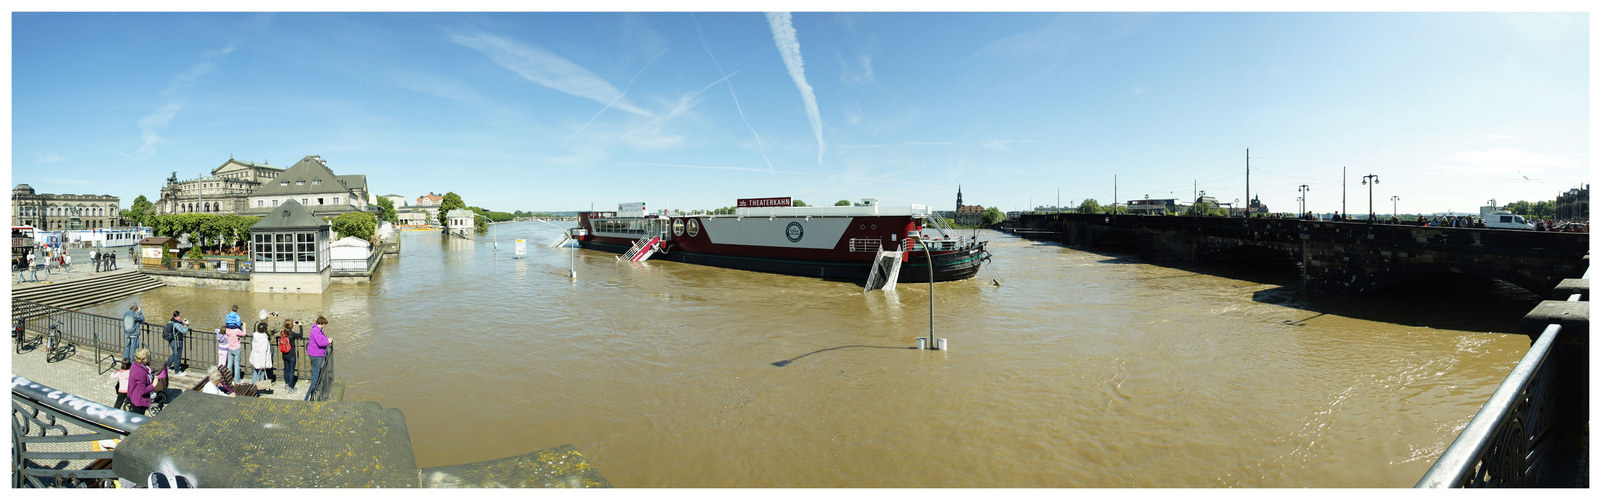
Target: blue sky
[558,111]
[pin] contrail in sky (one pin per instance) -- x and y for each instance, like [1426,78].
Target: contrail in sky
[615,99]
[789,48]
[741,110]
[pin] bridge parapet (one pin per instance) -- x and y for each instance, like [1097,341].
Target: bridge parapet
[1338,257]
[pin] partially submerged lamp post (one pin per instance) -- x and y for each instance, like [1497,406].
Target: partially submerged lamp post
[929,343]
[572,269]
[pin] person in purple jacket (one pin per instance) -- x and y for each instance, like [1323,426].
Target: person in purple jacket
[140,384]
[317,348]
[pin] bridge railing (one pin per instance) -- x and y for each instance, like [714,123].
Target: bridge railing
[1511,442]
[52,435]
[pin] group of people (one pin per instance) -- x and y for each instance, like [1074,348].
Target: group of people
[104,261]
[137,380]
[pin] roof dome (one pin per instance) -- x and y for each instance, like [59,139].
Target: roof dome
[23,188]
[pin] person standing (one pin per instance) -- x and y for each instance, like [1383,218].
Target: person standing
[222,347]
[260,356]
[235,327]
[94,258]
[317,350]
[286,347]
[174,333]
[33,273]
[130,329]
[119,380]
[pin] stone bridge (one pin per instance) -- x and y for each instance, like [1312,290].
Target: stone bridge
[1348,258]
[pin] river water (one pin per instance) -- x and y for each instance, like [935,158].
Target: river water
[1078,369]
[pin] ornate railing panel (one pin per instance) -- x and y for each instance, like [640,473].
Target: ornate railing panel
[51,436]
[1508,443]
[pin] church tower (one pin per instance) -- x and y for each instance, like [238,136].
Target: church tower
[958,196]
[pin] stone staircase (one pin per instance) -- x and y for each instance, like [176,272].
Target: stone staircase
[79,293]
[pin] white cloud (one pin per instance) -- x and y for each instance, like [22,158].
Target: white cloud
[789,49]
[51,157]
[151,124]
[439,87]
[1498,136]
[1004,144]
[856,76]
[1509,161]
[544,68]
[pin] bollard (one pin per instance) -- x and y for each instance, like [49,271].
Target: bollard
[940,345]
[922,343]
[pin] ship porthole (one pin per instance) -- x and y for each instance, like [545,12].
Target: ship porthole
[875,226]
[694,227]
[678,227]
[863,226]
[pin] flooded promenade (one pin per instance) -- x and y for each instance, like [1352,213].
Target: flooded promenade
[1080,370]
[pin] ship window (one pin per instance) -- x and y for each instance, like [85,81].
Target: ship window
[678,227]
[694,227]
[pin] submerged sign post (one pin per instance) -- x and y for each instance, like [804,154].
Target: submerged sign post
[764,202]
[522,248]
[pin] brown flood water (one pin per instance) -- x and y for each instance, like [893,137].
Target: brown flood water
[1081,370]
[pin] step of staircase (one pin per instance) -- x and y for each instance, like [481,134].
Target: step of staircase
[85,292]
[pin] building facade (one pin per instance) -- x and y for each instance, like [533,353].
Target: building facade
[55,212]
[225,191]
[429,200]
[970,215]
[1574,204]
[397,200]
[314,186]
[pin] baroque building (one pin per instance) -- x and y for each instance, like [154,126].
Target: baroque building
[55,212]
[223,192]
[248,188]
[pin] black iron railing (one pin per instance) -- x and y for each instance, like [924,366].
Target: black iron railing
[102,336]
[53,435]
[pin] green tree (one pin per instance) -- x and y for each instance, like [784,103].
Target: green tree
[1090,206]
[993,215]
[389,210]
[797,203]
[451,201]
[842,203]
[137,211]
[359,224]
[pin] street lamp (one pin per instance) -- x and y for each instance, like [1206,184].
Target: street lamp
[572,269]
[1304,189]
[1393,202]
[1375,178]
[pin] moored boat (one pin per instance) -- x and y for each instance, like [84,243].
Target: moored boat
[768,235]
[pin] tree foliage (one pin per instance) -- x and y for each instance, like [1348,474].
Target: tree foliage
[797,203]
[204,229]
[450,202]
[138,211]
[359,224]
[993,215]
[1090,206]
[842,203]
[1540,209]
[389,210]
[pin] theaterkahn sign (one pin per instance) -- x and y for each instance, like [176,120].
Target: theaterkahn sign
[764,202]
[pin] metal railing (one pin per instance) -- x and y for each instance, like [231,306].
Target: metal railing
[103,335]
[218,266]
[1508,442]
[866,244]
[356,265]
[50,435]
[325,380]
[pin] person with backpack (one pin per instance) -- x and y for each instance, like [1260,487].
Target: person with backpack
[286,347]
[130,329]
[174,332]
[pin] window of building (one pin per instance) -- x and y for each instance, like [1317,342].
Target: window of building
[300,183]
[261,203]
[336,200]
[304,201]
[275,203]
[319,201]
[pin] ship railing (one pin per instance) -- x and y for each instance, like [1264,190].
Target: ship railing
[852,211]
[939,224]
[1514,439]
[866,244]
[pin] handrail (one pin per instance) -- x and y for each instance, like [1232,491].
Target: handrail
[1507,442]
[44,415]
